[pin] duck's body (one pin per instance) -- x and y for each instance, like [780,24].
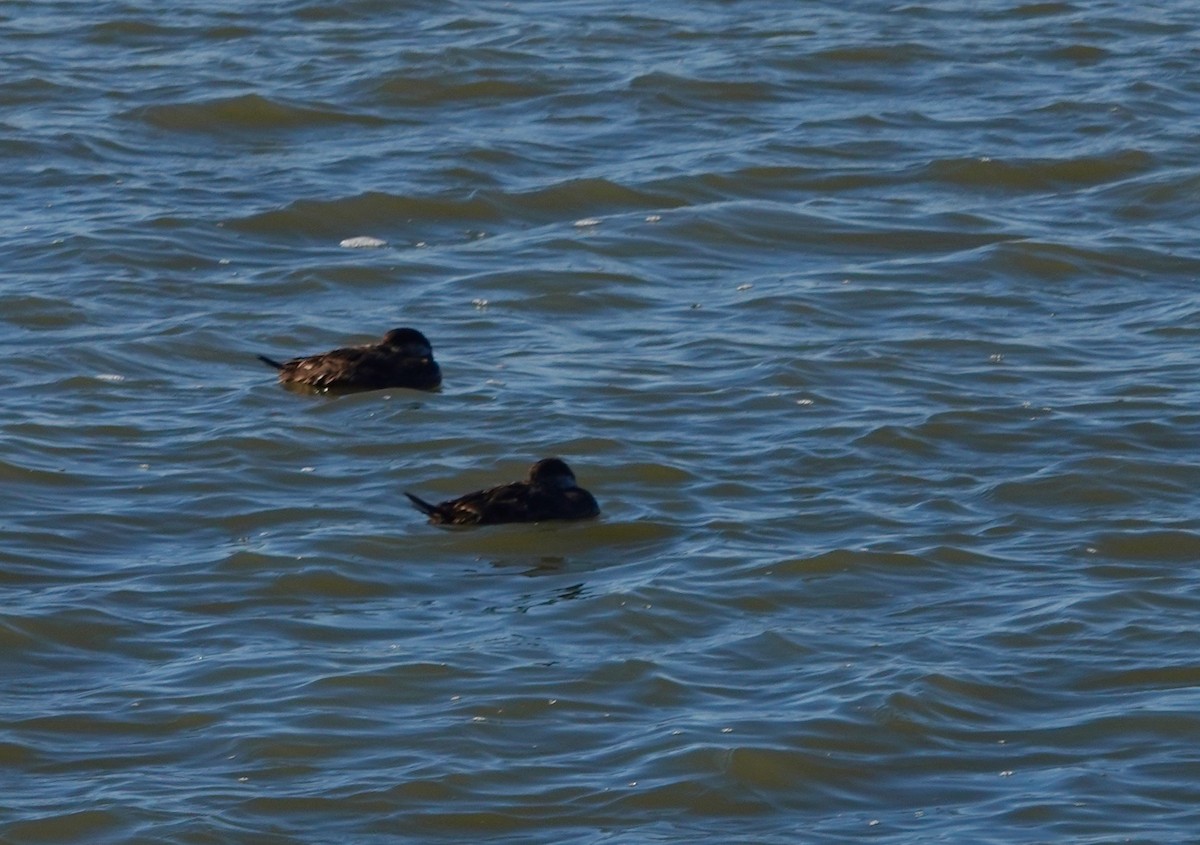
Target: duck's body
[550,492]
[403,358]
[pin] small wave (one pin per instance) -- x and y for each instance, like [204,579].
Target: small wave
[331,219]
[117,30]
[564,540]
[566,201]
[690,89]
[1159,195]
[844,560]
[1082,54]
[438,91]
[321,583]
[145,32]
[1040,173]
[1128,484]
[16,754]
[1038,10]
[249,112]
[89,824]
[943,702]
[76,630]
[1152,545]
[35,89]
[888,54]
[1050,260]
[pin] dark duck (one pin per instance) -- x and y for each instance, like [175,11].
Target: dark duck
[403,358]
[550,492]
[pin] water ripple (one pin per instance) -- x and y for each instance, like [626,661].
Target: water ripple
[249,113]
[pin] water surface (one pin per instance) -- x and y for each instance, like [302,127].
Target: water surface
[872,327]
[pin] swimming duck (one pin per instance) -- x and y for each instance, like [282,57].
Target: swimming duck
[403,358]
[550,492]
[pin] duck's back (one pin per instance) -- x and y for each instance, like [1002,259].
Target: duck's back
[506,503]
[361,368]
[516,502]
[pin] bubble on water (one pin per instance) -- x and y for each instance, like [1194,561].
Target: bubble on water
[362,242]
[479,304]
[746,286]
[110,377]
[653,218]
[587,221]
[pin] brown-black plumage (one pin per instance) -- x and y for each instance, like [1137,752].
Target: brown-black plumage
[403,358]
[549,492]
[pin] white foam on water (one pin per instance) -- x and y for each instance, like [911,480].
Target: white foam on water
[362,242]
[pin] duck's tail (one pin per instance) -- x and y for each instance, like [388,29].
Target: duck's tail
[421,505]
[270,362]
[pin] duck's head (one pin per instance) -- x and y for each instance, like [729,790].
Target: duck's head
[409,341]
[552,472]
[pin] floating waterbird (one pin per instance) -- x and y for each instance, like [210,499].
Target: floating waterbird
[550,492]
[403,358]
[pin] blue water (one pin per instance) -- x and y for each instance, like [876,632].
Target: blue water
[872,327]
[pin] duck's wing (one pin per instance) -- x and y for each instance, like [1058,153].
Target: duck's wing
[366,368]
[337,368]
[516,502]
[506,503]
[524,502]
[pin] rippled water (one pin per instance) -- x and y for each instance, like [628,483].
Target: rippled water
[872,326]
